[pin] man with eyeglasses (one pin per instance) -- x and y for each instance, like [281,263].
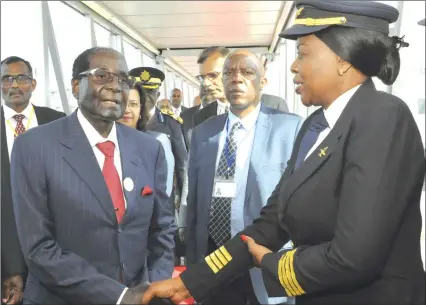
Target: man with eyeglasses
[17,116]
[210,64]
[90,196]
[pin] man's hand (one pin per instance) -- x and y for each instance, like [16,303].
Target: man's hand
[173,289]
[257,251]
[13,289]
[134,295]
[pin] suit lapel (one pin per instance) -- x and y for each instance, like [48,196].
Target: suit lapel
[81,158]
[323,152]
[260,144]
[212,111]
[130,166]
[41,116]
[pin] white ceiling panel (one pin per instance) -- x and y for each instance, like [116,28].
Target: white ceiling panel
[225,20]
[140,8]
[216,30]
[200,24]
[203,42]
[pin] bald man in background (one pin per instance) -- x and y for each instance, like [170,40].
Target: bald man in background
[239,157]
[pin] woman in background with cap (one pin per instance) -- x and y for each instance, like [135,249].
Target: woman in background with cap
[350,196]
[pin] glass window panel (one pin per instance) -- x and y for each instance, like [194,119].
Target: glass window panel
[72,34]
[132,55]
[148,61]
[169,83]
[185,91]
[273,76]
[103,36]
[29,46]
[54,97]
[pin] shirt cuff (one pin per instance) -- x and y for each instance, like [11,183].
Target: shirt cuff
[121,296]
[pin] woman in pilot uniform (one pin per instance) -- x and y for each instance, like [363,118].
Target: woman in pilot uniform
[350,196]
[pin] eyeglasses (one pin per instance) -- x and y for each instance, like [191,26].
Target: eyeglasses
[21,79]
[103,77]
[210,76]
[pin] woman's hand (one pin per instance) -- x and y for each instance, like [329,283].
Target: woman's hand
[257,251]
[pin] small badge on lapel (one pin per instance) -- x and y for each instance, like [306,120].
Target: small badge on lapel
[322,152]
[128,184]
[146,190]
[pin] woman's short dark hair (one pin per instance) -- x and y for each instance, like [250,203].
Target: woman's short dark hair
[143,114]
[371,52]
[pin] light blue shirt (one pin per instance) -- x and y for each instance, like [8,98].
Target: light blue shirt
[244,138]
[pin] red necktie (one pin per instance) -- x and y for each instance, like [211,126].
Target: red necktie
[19,126]
[112,178]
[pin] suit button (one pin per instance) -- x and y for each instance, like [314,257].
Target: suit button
[119,230]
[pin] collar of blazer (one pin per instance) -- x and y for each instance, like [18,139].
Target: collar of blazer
[293,180]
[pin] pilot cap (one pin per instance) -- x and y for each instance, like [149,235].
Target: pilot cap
[315,15]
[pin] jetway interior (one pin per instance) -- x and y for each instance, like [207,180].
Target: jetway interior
[170,35]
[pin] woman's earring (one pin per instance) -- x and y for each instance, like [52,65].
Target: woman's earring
[140,117]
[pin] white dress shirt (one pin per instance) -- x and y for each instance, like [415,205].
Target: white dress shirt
[244,139]
[95,138]
[222,107]
[10,122]
[178,110]
[332,114]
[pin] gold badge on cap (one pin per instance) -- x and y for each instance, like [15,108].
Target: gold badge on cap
[299,11]
[145,76]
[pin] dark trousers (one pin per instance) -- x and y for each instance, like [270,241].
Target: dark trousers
[238,292]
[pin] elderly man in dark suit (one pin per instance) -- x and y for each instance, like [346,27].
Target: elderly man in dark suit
[90,196]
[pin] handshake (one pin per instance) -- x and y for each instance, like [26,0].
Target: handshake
[167,292]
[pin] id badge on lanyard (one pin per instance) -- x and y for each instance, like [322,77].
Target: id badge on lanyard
[226,188]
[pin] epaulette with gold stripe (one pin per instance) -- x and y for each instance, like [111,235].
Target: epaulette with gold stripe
[287,276]
[171,113]
[218,259]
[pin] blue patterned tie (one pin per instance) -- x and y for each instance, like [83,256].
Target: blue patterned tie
[316,126]
[220,211]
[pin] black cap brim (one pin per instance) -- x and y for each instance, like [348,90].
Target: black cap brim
[422,22]
[298,30]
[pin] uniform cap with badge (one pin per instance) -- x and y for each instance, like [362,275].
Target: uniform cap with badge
[313,16]
[150,78]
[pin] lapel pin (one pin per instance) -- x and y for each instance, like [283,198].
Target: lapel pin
[323,152]
[128,184]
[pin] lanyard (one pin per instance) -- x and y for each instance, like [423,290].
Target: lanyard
[28,123]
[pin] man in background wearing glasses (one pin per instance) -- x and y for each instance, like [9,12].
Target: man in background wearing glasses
[210,64]
[17,116]
[90,196]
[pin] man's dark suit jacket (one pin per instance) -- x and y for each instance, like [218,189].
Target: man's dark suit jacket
[205,113]
[188,122]
[12,261]
[274,101]
[76,251]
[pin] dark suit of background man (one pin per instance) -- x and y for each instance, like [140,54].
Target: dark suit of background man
[90,196]
[264,142]
[17,116]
